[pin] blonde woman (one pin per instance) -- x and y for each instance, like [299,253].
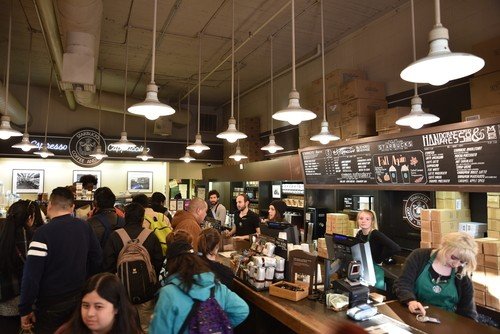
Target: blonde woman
[440,277]
[381,246]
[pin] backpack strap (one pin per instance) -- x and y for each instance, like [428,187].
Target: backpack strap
[143,235]
[123,235]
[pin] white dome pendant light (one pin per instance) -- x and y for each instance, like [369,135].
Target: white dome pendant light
[145,156]
[25,143]
[187,158]
[44,151]
[324,136]
[5,130]
[272,147]
[124,144]
[151,107]
[232,134]
[417,117]
[238,156]
[441,65]
[99,154]
[294,113]
[198,146]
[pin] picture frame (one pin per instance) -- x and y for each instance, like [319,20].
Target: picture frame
[140,182]
[79,173]
[276,191]
[27,181]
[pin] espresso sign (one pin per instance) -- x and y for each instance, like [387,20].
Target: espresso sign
[457,156]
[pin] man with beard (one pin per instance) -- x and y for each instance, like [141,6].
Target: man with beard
[246,221]
[216,210]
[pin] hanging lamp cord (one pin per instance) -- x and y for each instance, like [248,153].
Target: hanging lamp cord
[199,80]
[7,76]
[153,56]
[48,104]
[28,85]
[272,83]
[232,66]
[323,62]
[99,100]
[293,45]
[415,89]
[188,114]
[126,83]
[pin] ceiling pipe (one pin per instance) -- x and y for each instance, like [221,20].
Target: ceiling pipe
[16,111]
[46,17]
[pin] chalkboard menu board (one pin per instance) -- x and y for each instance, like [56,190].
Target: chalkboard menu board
[463,154]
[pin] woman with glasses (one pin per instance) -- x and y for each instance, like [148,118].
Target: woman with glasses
[440,277]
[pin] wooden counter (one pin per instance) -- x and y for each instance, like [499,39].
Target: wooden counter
[308,316]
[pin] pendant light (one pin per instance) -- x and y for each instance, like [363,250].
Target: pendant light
[232,134]
[99,154]
[441,65]
[272,147]
[294,113]
[198,146]
[187,158]
[417,117]
[238,156]
[5,130]
[324,136]
[151,107]
[44,151]
[144,156]
[124,144]
[25,143]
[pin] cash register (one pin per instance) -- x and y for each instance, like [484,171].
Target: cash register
[351,259]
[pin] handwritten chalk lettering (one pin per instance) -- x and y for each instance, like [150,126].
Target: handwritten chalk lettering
[51,146]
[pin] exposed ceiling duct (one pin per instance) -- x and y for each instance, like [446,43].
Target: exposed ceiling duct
[16,111]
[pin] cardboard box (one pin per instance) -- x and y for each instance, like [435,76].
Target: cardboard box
[463,215]
[480,297]
[386,118]
[494,224]
[424,244]
[493,199]
[361,107]
[426,236]
[480,259]
[481,113]
[479,280]
[491,247]
[489,50]
[436,238]
[362,89]
[485,90]
[333,81]
[443,215]
[443,227]
[481,241]
[475,229]
[493,234]
[277,290]
[491,261]
[358,126]
[425,214]
[492,300]
[425,225]
[493,213]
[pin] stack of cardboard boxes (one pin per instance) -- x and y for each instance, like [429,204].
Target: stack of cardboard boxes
[434,224]
[385,120]
[484,91]
[485,278]
[249,146]
[493,215]
[337,223]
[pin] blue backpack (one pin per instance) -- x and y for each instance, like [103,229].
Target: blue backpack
[207,317]
[120,222]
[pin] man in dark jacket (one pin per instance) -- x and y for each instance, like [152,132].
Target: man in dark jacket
[61,256]
[105,220]
[134,216]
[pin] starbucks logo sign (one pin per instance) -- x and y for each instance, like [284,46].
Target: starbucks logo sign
[413,205]
[82,144]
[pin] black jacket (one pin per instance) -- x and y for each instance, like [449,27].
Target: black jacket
[414,264]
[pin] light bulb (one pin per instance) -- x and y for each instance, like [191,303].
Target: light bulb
[198,150]
[324,141]
[416,125]
[293,121]
[272,150]
[231,139]
[4,136]
[438,81]
[44,155]
[152,116]
[26,149]
[237,158]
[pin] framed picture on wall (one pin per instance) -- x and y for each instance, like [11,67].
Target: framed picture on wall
[140,182]
[27,181]
[77,174]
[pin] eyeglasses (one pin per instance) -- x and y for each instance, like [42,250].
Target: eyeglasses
[454,258]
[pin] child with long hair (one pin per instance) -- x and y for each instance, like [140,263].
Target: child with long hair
[104,309]
[208,247]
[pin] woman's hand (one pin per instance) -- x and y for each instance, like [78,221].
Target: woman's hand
[416,307]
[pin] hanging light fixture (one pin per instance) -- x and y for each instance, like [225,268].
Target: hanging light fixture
[324,136]
[144,156]
[187,158]
[25,143]
[232,134]
[198,146]
[151,107]
[417,117]
[272,147]
[124,144]
[99,154]
[5,130]
[237,156]
[441,65]
[44,151]
[294,113]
